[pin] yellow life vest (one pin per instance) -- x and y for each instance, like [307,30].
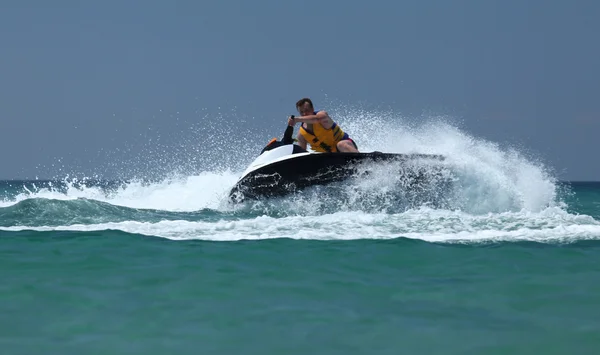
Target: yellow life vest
[321,139]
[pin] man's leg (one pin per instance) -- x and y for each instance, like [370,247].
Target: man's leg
[347,145]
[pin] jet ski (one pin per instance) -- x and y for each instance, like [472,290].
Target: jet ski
[284,167]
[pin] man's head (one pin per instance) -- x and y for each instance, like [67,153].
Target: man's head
[305,107]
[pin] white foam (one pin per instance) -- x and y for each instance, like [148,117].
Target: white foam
[183,194]
[430,225]
[491,179]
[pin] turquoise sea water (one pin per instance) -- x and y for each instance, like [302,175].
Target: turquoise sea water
[84,276]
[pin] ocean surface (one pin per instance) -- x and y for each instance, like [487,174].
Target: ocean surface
[505,260]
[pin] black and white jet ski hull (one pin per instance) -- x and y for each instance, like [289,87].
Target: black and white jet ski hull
[281,171]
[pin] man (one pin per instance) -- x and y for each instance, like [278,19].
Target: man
[319,130]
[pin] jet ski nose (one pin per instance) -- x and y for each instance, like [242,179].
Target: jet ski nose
[270,145]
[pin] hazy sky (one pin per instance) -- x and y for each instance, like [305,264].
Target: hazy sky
[79,79]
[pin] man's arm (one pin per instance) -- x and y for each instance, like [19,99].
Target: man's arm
[321,117]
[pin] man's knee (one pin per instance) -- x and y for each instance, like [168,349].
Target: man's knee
[347,146]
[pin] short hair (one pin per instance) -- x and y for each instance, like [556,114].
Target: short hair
[303,101]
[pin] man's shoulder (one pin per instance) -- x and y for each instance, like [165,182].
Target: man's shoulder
[324,119]
[322,115]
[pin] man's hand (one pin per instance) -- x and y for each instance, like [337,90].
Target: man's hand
[291,121]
